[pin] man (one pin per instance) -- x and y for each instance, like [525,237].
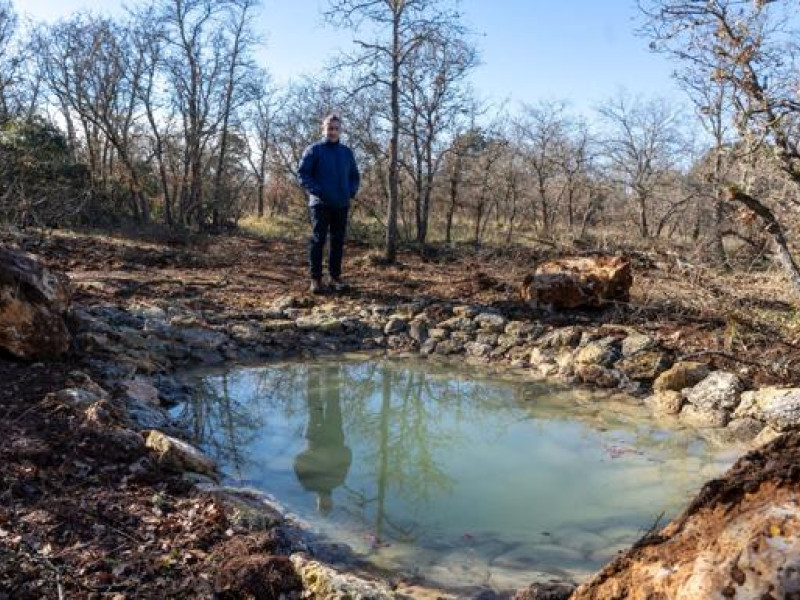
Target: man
[329,175]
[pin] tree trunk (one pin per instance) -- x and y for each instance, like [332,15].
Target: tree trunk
[394,180]
[773,227]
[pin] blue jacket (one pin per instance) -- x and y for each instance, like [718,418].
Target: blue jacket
[328,173]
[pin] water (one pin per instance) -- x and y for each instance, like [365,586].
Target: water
[459,477]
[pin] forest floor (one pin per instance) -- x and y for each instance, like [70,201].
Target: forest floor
[70,508]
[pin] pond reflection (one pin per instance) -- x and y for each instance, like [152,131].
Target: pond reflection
[446,472]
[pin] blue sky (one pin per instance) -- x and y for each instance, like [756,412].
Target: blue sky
[579,50]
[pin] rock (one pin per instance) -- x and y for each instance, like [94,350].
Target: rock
[668,402]
[738,431]
[418,331]
[322,582]
[703,417]
[202,338]
[492,339]
[601,352]
[477,349]
[33,308]
[466,310]
[578,282]
[458,324]
[553,590]
[141,390]
[438,333]
[565,360]
[144,416]
[523,329]
[739,539]
[560,338]
[491,322]
[177,454]
[597,375]
[681,375]
[428,347]
[447,347]
[635,343]
[765,436]
[778,407]
[395,325]
[720,390]
[539,356]
[644,365]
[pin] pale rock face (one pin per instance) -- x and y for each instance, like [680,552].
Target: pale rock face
[720,390]
[491,322]
[778,407]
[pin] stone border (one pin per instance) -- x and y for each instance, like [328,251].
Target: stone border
[137,352]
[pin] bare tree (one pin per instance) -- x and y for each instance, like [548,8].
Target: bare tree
[643,144]
[751,47]
[401,27]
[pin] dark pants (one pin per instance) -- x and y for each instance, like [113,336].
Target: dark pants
[323,220]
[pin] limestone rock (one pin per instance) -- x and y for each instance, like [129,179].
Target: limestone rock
[635,343]
[491,321]
[681,375]
[600,352]
[560,338]
[33,307]
[645,365]
[597,375]
[778,407]
[668,402]
[177,454]
[720,390]
[322,582]
[578,282]
[477,349]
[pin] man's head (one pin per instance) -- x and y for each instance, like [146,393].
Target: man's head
[331,126]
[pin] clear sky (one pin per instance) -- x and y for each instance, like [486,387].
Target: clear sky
[579,50]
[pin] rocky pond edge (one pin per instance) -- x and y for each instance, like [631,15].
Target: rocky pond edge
[136,354]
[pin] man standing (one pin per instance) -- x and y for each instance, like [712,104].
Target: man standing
[329,175]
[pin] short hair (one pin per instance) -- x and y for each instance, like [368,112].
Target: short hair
[331,118]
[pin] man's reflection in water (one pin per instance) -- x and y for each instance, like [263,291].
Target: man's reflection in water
[323,465]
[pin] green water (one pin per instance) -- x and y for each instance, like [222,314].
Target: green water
[449,474]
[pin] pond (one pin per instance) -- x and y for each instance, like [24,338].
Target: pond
[446,473]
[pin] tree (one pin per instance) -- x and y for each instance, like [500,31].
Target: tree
[749,46]
[401,27]
[433,98]
[643,144]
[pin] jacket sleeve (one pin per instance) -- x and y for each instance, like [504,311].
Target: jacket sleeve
[355,176]
[305,173]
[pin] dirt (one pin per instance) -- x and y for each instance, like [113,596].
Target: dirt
[84,513]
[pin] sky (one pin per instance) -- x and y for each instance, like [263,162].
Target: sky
[582,51]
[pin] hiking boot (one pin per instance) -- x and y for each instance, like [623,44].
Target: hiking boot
[316,286]
[337,285]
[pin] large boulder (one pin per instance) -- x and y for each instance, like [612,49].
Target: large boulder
[778,407]
[589,281]
[739,538]
[178,455]
[719,391]
[33,307]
